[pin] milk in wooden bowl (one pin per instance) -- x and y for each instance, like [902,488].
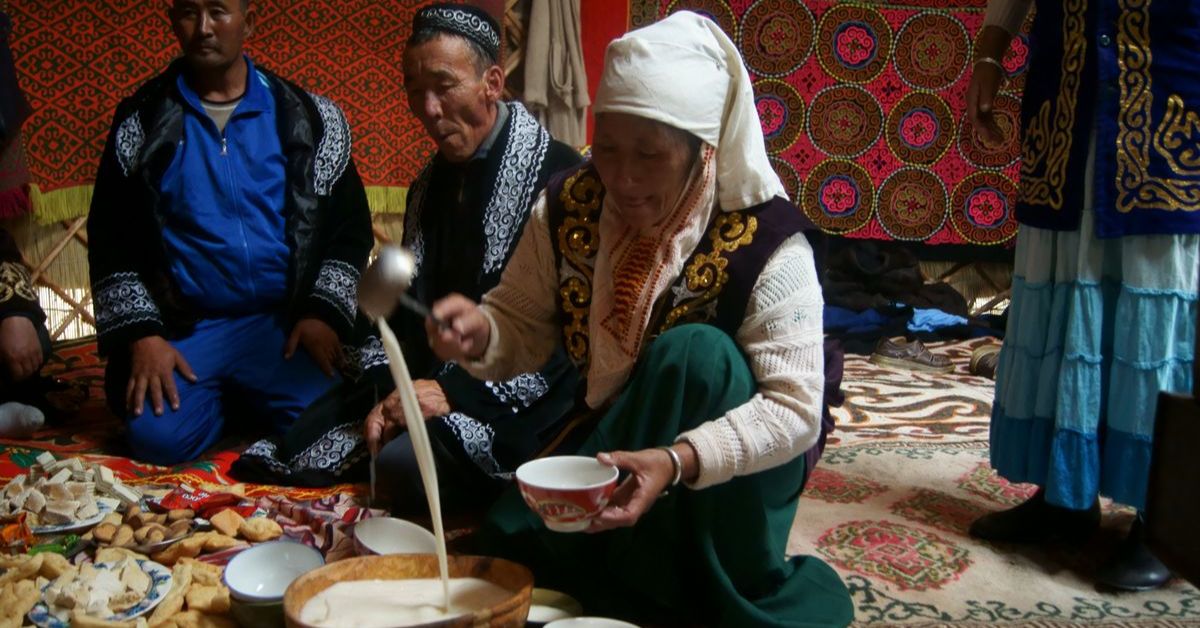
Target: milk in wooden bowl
[406,590]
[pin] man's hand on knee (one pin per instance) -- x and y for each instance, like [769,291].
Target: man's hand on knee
[321,343]
[20,349]
[386,420]
[431,398]
[383,423]
[154,362]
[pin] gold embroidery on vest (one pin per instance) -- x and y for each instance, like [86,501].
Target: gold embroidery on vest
[1046,150]
[705,275]
[1178,137]
[578,241]
[1136,188]
[14,283]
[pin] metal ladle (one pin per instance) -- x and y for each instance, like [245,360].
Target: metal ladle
[385,284]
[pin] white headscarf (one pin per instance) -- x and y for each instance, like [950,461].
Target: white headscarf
[684,72]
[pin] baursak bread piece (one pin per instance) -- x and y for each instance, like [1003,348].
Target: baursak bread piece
[227,522]
[208,599]
[259,529]
[181,581]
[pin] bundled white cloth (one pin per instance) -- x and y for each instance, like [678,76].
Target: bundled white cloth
[556,89]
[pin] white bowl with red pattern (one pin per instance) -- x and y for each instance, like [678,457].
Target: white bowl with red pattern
[567,491]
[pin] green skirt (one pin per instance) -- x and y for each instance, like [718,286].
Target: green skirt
[712,556]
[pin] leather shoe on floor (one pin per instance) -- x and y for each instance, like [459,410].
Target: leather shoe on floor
[1034,521]
[909,355]
[984,360]
[1133,567]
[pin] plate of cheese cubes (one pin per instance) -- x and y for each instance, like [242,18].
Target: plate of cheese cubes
[115,591]
[62,496]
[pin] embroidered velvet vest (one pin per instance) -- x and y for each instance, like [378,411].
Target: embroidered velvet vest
[714,287]
[1125,70]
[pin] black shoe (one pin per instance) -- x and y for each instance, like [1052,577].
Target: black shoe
[1133,567]
[1035,521]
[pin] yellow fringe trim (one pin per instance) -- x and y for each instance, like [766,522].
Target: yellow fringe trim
[73,202]
[62,204]
[386,200]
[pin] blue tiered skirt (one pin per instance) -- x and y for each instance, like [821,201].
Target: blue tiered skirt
[1096,329]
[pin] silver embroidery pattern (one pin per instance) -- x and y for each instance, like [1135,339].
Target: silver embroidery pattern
[122,299]
[515,185]
[414,239]
[335,451]
[333,153]
[476,439]
[525,389]
[681,292]
[337,284]
[369,355]
[267,452]
[462,22]
[130,138]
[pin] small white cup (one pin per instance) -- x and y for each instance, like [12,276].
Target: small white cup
[388,535]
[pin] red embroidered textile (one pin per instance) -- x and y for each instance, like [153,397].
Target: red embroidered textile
[78,59]
[863,109]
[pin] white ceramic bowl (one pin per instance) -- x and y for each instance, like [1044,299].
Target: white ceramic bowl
[546,605]
[388,535]
[567,491]
[263,572]
[590,622]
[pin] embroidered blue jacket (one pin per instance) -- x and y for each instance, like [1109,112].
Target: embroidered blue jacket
[1129,70]
[223,200]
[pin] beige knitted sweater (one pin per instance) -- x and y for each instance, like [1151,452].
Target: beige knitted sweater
[782,338]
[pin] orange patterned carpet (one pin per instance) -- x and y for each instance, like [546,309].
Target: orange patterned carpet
[95,434]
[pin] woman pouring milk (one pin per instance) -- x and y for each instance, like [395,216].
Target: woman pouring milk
[679,279]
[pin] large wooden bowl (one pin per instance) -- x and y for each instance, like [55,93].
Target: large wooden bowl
[504,573]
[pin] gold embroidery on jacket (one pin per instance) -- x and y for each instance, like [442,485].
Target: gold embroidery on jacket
[1175,138]
[578,240]
[1046,150]
[14,283]
[705,276]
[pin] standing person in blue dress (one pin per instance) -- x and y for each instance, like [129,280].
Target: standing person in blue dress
[1103,312]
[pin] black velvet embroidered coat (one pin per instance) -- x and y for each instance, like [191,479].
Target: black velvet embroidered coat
[328,223]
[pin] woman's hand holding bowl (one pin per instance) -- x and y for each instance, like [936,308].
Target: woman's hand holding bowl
[650,473]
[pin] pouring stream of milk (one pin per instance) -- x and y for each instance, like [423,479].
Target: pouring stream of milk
[420,441]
